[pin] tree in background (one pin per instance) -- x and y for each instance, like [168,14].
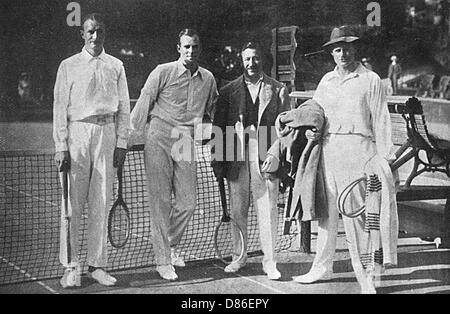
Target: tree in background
[35,37]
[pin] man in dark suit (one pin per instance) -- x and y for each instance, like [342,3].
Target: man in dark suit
[394,72]
[248,107]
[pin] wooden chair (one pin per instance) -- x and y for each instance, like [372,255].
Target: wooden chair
[284,45]
[430,153]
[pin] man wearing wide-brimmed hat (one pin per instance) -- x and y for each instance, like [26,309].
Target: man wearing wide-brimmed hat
[357,131]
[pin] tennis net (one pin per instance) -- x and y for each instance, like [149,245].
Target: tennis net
[30,200]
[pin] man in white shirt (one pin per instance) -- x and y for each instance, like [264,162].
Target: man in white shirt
[91,113]
[176,95]
[358,129]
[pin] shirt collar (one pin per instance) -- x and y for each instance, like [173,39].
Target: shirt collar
[88,57]
[358,71]
[181,69]
[247,82]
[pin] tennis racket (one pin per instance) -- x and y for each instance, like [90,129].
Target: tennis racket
[64,169]
[119,221]
[223,234]
[400,159]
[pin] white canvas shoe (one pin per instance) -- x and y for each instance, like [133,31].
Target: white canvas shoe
[270,269]
[176,259]
[167,272]
[235,265]
[313,275]
[102,277]
[71,278]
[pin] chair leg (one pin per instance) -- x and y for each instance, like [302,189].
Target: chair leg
[413,172]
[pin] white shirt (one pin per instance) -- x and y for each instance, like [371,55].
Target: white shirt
[356,104]
[254,88]
[87,86]
[174,95]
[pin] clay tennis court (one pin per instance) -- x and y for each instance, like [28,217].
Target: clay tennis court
[423,268]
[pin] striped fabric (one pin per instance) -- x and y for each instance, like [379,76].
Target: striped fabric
[372,254]
[372,222]
[369,260]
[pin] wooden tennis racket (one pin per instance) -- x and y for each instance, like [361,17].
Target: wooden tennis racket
[64,170]
[119,221]
[223,234]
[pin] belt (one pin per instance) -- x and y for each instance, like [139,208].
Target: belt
[100,119]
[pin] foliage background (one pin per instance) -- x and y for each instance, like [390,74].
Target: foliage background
[34,36]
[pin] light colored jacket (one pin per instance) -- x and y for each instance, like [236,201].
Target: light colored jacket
[308,190]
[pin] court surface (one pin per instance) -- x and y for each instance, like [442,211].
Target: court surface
[422,267]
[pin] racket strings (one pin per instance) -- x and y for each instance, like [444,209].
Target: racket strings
[119,225]
[226,235]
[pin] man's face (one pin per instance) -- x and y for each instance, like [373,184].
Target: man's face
[343,55]
[252,63]
[93,34]
[189,50]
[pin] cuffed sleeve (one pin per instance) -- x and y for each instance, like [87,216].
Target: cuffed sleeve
[381,123]
[123,113]
[145,103]
[60,105]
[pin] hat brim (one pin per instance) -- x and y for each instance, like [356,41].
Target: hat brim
[345,39]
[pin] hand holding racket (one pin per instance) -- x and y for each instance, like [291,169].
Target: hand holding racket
[64,166]
[227,232]
[119,222]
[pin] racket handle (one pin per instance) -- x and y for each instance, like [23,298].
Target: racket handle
[65,188]
[65,183]
[119,178]
[64,166]
[223,199]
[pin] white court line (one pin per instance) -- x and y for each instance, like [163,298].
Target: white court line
[432,290]
[27,194]
[12,264]
[255,281]
[28,275]
[409,270]
[54,204]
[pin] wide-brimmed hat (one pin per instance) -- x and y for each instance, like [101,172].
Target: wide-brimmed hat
[341,34]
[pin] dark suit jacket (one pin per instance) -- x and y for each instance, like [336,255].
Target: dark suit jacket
[273,99]
[394,71]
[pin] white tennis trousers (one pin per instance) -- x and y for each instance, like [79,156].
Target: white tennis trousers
[91,179]
[344,158]
[265,197]
[169,170]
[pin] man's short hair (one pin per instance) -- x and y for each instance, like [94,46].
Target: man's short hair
[97,17]
[187,32]
[252,45]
